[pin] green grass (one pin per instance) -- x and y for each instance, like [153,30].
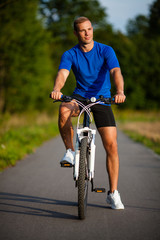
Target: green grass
[18,141]
[22,134]
[123,116]
[154,145]
[130,116]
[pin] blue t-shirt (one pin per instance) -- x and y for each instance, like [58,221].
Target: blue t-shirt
[91,69]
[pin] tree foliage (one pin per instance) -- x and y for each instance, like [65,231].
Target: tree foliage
[23,51]
[144,69]
[154,19]
[35,33]
[139,25]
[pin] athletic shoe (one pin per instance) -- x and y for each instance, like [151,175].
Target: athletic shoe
[115,200]
[68,157]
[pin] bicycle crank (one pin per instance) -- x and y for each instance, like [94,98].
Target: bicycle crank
[97,190]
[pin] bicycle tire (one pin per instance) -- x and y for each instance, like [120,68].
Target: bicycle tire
[83,180]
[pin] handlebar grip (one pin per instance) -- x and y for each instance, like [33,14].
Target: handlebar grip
[107,100]
[65,98]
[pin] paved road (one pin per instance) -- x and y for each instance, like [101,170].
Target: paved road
[38,199]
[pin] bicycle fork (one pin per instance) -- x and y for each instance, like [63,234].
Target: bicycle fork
[90,134]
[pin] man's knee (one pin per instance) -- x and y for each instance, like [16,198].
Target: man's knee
[70,109]
[111,147]
[64,110]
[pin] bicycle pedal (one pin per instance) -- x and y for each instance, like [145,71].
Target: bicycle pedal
[100,190]
[66,165]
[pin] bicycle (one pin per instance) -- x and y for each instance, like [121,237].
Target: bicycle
[83,169]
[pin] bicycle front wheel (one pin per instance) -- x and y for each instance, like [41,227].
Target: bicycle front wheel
[83,180]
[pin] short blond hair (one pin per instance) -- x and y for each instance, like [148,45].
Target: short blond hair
[78,21]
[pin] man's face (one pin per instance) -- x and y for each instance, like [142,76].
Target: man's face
[84,32]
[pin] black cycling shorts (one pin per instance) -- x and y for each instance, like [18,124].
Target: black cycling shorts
[103,115]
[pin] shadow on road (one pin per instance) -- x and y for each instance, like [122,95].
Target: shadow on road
[10,203]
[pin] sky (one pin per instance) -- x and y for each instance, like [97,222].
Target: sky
[120,11]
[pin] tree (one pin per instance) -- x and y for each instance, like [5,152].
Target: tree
[154,19]
[144,33]
[139,25]
[23,47]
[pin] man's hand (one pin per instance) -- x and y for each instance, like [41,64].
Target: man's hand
[56,95]
[120,97]
[59,84]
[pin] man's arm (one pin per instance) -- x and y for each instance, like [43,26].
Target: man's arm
[59,83]
[119,84]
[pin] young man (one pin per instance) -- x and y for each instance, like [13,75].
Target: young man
[92,64]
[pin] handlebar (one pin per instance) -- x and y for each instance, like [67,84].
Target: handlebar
[65,98]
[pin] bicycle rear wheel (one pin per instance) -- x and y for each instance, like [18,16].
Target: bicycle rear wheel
[83,180]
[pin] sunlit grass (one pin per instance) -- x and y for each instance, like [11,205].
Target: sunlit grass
[22,134]
[150,143]
[135,115]
[141,126]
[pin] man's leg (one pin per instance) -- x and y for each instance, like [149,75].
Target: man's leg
[66,111]
[109,139]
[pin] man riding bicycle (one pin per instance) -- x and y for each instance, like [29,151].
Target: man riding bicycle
[92,64]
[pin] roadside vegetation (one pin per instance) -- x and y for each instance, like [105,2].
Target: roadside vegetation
[31,45]
[141,126]
[22,134]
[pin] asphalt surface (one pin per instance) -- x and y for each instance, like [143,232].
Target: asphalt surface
[38,199]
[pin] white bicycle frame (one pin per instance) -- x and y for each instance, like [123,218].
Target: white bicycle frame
[91,133]
[91,136]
